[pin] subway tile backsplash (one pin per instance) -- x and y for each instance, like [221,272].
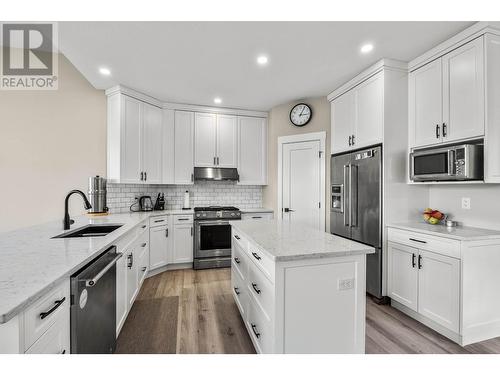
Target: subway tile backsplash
[203,193]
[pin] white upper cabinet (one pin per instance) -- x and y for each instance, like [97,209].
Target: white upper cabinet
[205,134]
[369,124]
[152,144]
[252,151]
[463,92]
[183,145]
[227,141]
[446,97]
[342,118]
[358,115]
[134,140]
[426,104]
[168,147]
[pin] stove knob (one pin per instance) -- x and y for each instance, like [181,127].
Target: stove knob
[232,213]
[198,215]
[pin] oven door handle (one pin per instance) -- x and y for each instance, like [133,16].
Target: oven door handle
[204,223]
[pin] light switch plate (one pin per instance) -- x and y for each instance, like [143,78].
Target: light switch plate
[346,284]
[466,203]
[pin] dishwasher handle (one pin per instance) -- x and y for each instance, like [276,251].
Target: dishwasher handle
[91,282]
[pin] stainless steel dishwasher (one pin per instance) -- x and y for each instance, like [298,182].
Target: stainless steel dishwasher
[93,305]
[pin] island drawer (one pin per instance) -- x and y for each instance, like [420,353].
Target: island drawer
[261,289]
[54,341]
[260,328]
[239,239]
[435,244]
[45,312]
[158,221]
[240,260]
[257,216]
[262,260]
[239,293]
[141,228]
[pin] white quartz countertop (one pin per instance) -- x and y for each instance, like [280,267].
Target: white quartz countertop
[460,233]
[256,210]
[31,262]
[283,241]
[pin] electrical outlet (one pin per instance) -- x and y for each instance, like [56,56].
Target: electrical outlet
[466,203]
[346,284]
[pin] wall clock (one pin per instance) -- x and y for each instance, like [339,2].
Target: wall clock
[300,114]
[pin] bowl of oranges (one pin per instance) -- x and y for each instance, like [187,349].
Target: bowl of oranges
[433,216]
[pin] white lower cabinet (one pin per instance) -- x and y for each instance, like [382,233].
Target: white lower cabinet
[56,340]
[160,246]
[183,243]
[448,284]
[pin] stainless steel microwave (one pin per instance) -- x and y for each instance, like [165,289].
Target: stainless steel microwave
[452,163]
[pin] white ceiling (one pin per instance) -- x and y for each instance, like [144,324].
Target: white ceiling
[193,62]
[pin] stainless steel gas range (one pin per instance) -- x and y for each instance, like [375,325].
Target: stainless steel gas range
[212,236]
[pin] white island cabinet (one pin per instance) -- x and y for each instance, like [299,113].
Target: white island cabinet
[299,290]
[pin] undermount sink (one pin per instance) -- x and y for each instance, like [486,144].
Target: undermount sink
[91,230]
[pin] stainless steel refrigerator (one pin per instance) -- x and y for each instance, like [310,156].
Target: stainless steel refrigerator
[356,206]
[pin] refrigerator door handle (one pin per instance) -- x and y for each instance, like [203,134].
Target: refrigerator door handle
[346,187]
[353,195]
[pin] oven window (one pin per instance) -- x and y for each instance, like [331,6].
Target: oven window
[215,237]
[431,164]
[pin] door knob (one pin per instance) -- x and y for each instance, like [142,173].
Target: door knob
[288,210]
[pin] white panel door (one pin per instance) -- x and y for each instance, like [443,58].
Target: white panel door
[121,293]
[227,141]
[369,123]
[183,147]
[205,134]
[342,122]
[158,246]
[302,183]
[463,91]
[152,144]
[403,274]
[252,150]
[438,289]
[183,243]
[131,153]
[425,105]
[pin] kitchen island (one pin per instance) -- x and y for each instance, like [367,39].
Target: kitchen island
[299,290]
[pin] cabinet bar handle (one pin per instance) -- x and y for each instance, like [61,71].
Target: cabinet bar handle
[166,232]
[145,176]
[144,244]
[419,261]
[142,176]
[256,217]
[192,177]
[237,237]
[130,260]
[53,308]
[254,286]
[437,130]
[256,256]
[191,231]
[255,332]
[349,140]
[415,240]
[183,219]
[237,290]
[159,221]
[353,139]
[215,160]
[413,258]
[144,269]
[143,226]
[445,133]
[237,260]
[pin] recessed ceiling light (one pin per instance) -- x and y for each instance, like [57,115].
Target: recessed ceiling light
[217,100]
[105,71]
[262,60]
[366,48]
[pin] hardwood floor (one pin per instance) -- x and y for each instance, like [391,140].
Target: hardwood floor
[189,311]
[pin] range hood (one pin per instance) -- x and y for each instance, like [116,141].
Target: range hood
[215,174]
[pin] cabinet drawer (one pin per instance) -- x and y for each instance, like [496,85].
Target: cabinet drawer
[261,289]
[158,220]
[239,239]
[239,292]
[431,243]
[53,310]
[240,260]
[262,261]
[257,216]
[54,341]
[183,219]
[141,228]
[260,328]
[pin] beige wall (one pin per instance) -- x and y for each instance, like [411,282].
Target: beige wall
[280,125]
[50,143]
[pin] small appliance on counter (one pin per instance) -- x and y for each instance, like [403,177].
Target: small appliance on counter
[97,196]
[186,206]
[144,203]
[160,202]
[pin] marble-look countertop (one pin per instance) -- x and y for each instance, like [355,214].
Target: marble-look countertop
[284,241]
[460,233]
[32,263]
[256,210]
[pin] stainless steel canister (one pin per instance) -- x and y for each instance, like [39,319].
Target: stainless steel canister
[97,194]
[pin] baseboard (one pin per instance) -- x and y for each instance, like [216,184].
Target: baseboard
[170,267]
[481,332]
[453,336]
